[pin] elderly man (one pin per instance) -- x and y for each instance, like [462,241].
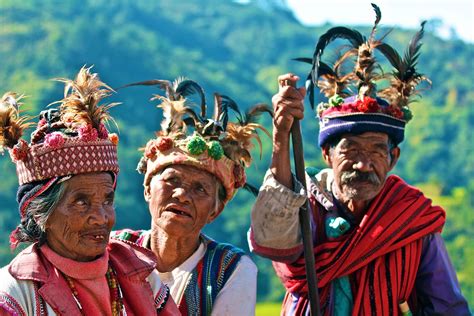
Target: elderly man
[378,248]
[189,178]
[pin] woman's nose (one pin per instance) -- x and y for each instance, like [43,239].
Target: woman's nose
[100,216]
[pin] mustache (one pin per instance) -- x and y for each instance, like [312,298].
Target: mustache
[359,176]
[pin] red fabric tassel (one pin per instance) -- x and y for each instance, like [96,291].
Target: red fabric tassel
[13,240]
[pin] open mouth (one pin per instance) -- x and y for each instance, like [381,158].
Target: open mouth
[179,212]
[97,237]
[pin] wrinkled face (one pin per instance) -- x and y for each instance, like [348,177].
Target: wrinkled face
[182,199]
[79,226]
[361,164]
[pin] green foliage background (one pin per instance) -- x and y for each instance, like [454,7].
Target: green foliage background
[237,50]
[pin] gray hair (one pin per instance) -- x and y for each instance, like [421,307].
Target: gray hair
[33,226]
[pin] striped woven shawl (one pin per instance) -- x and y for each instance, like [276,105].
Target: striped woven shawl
[381,256]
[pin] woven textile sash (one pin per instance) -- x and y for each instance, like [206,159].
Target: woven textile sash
[209,277]
[381,256]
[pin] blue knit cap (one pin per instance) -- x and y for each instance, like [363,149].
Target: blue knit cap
[349,119]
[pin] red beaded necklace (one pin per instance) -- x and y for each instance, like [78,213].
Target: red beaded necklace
[114,288]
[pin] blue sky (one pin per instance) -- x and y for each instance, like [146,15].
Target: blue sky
[455,14]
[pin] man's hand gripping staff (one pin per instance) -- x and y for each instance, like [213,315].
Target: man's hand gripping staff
[288,106]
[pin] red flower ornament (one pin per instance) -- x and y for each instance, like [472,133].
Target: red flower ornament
[368,105]
[394,111]
[103,133]
[19,151]
[114,138]
[87,133]
[164,144]
[54,140]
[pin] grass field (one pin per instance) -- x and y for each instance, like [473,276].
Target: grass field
[268,309]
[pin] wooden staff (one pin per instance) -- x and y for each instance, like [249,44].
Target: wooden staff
[298,156]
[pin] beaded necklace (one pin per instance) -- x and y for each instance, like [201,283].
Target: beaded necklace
[114,288]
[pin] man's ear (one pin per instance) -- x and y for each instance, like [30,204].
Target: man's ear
[326,155]
[147,193]
[216,212]
[394,155]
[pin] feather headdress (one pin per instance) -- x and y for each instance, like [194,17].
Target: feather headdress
[70,140]
[12,124]
[174,103]
[214,143]
[80,111]
[81,103]
[355,92]
[366,71]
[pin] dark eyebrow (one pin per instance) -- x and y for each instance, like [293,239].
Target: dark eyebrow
[171,172]
[110,195]
[79,196]
[383,146]
[347,143]
[206,183]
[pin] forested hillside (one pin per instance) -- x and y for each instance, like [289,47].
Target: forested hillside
[237,50]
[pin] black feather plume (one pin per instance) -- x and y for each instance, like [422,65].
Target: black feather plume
[254,112]
[228,103]
[378,16]
[309,85]
[413,52]
[391,54]
[220,110]
[162,84]
[354,37]
[303,60]
[189,87]
[325,69]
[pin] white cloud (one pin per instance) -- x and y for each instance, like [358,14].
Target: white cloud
[455,14]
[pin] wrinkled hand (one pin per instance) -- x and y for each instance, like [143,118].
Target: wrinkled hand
[287,104]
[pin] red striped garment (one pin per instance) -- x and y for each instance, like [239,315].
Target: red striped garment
[381,256]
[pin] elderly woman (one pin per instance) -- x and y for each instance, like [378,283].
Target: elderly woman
[67,180]
[189,178]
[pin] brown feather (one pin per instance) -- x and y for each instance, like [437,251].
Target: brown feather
[12,124]
[173,112]
[82,97]
[241,136]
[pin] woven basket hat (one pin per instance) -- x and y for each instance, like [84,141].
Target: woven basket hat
[69,140]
